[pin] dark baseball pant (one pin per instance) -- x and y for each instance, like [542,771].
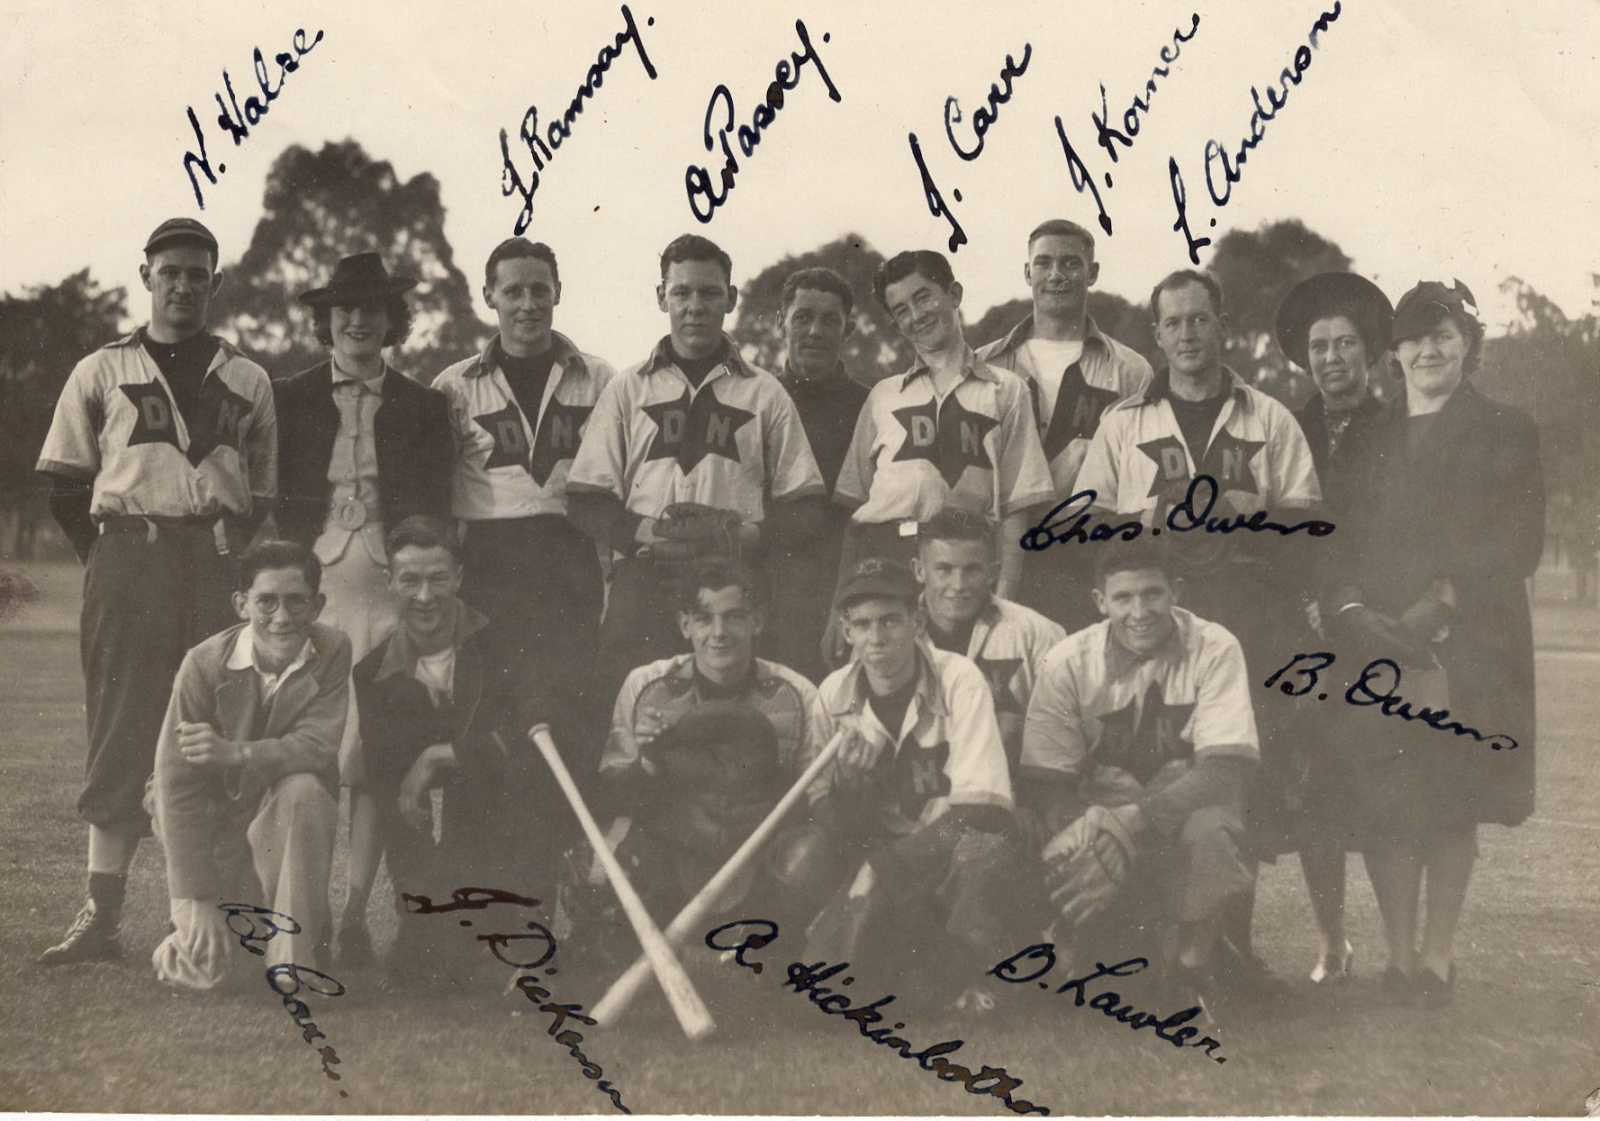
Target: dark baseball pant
[150,592]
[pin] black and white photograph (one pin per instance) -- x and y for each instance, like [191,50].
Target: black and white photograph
[900,559]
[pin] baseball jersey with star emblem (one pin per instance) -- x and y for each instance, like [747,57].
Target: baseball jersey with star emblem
[1139,465]
[1095,704]
[736,442]
[670,686]
[1105,373]
[115,421]
[946,752]
[912,453]
[510,464]
[1008,644]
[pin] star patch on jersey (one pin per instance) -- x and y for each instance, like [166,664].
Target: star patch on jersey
[155,420]
[921,776]
[695,426]
[1141,737]
[1228,461]
[558,437]
[221,421]
[1077,412]
[1172,466]
[510,438]
[998,672]
[950,438]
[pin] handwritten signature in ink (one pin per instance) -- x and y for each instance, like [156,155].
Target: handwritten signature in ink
[697,180]
[1107,1001]
[260,919]
[1378,686]
[1082,179]
[238,123]
[500,945]
[1216,155]
[808,979]
[983,118]
[543,148]
[1067,521]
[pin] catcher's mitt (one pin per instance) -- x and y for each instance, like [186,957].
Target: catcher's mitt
[691,531]
[1087,863]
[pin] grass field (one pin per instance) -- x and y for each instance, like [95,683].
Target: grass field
[1521,1038]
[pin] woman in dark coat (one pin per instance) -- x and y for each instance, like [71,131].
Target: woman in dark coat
[1336,327]
[360,447]
[1450,509]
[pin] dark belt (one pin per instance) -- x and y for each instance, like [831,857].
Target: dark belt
[153,525]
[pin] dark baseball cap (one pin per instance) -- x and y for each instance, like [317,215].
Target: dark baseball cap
[877,577]
[1428,302]
[180,229]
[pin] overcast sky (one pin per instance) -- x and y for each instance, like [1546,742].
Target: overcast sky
[1427,138]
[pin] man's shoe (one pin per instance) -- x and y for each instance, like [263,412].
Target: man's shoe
[91,937]
[1247,976]
[1431,992]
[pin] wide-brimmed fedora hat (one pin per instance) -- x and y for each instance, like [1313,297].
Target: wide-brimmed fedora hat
[358,279]
[1334,293]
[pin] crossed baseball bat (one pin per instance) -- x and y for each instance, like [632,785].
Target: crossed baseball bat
[658,957]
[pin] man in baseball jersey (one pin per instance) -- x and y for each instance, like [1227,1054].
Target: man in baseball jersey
[1074,372]
[519,410]
[162,457]
[814,318]
[914,816]
[1199,418]
[956,566]
[952,430]
[704,744]
[1140,738]
[692,453]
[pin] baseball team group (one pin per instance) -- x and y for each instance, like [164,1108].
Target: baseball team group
[710,585]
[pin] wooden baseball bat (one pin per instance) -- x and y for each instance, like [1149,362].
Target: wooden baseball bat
[626,987]
[681,995]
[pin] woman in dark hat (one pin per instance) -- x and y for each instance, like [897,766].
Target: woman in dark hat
[360,447]
[1335,326]
[1451,524]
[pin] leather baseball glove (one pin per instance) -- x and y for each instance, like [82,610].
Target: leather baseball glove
[1087,863]
[691,531]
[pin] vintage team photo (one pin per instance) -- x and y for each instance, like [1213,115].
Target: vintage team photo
[693,558]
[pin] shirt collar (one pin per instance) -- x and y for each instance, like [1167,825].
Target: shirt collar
[243,656]
[401,655]
[1161,386]
[225,349]
[661,357]
[1023,331]
[373,386]
[566,353]
[1120,661]
[792,381]
[971,366]
[853,697]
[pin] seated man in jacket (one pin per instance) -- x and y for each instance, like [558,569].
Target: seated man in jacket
[1139,743]
[913,820]
[244,795]
[437,710]
[704,744]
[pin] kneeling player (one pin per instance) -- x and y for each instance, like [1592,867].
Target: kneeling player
[704,744]
[247,768]
[443,706]
[1138,746]
[915,814]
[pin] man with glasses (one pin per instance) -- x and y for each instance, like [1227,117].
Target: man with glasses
[244,797]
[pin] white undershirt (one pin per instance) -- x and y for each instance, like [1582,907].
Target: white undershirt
[1051,357]
[438,672]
